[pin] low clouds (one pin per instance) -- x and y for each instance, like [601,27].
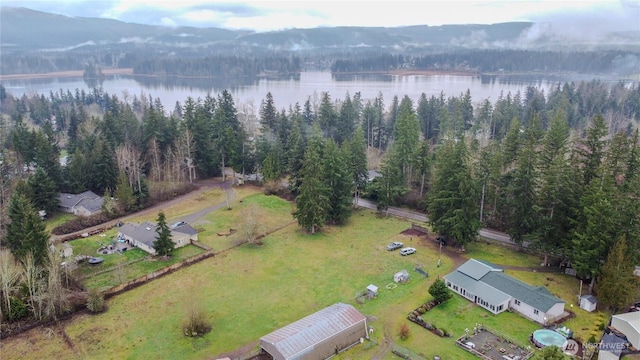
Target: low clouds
[588,18]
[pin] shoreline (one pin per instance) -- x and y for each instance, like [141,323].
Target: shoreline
[129,71]
[64,74]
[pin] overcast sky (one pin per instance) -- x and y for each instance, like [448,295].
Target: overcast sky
[275,15]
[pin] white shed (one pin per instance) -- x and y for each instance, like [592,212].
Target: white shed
[401,276]
[588,302]
[372,291]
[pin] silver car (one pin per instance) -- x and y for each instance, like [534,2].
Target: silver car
[407,251]
[394,245]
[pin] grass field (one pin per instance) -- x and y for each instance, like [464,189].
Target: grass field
[251,290]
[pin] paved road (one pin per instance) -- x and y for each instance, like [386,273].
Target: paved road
[416,216]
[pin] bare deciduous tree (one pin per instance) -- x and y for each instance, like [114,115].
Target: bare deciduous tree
[184,152]
[55,297]
[32,276]
[131,163]
[9,278]
[252,229]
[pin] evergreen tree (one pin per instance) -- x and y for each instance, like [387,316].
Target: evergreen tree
[453,203]
[388,187]
[106,169]
[356,150]
[312,205]
[406,138]
[558,196]
[163,243]
[124,194]
[616,286]
[521,189]
[440,291]
[593,148]
[26,232]
[338,180]
[347,120]
[268,114]
[327,117]
[44,193]
[295,157]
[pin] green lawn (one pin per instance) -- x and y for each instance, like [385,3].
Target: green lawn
[252,290]
[500,255]
[57,218]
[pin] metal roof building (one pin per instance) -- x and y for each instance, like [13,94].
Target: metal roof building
[317,336]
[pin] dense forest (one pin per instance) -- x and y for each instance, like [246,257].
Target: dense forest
[558,171]
[491,61]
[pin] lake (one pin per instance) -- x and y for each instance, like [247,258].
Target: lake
[307,84]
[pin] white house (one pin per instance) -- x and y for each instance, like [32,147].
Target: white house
[144,235]
[84,204]
[488,286]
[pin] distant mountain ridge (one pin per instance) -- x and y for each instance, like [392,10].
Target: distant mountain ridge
[24,29]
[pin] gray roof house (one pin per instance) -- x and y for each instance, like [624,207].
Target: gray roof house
[317,336]
[144,235]
[83,204]
[488,286]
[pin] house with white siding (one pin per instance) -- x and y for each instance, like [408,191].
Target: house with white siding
[488,286]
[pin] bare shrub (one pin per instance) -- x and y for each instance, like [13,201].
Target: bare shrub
[252,229]
[95,301]
[196,323]
[403,332]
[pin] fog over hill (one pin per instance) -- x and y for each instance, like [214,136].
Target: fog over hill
[28,30]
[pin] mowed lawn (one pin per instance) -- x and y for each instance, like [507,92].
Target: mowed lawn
[250,290]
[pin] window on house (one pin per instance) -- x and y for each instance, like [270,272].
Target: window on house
[517,302]
[535,311]
[500,308]
[179,241]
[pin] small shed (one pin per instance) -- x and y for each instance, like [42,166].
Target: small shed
[372,291]
[588,302]
[401,276]
[66,251]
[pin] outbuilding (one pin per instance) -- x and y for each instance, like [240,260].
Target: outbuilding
[588,302]
[317,336]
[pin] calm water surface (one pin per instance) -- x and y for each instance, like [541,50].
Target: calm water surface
[289,91]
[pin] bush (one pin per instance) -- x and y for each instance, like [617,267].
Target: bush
[196,323]
[440,291]
[18,309]
[439,332]
[592,339]
[428,326]
[404,332]
[95,301]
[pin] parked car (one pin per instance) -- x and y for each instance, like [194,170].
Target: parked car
[407,251]
[394,245]
[178,224]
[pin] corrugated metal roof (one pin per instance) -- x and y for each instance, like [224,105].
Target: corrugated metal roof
[311,330]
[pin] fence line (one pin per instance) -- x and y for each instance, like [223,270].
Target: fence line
[95,273]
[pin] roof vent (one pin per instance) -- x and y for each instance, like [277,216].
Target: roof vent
[148,228]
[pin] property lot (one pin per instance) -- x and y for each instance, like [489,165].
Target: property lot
[251,290]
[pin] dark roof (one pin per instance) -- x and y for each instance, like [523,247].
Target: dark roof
[612,343]
[71,200]
[144,233]
[185,229]
[590,298]
[92,205]
[311,330]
